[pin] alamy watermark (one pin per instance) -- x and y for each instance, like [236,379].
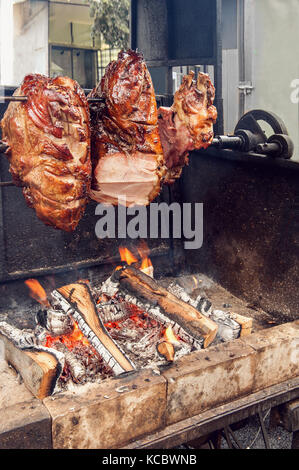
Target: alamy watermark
[158,220]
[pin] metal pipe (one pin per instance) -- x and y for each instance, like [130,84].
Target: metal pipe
[219,126]
[227,142]
[8,99]
[272,148]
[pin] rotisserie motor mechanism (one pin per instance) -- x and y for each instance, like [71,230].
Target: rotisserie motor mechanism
[250,137]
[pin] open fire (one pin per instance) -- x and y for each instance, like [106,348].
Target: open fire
[37,292]
[128,322]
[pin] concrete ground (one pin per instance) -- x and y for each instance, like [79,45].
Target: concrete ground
[250,436]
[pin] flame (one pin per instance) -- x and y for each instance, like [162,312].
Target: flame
[146,263]
[126,255]
[170,336]
[70,340]
[37,292]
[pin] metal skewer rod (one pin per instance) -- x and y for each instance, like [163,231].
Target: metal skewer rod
[3,184]
[8,99]
[12,98]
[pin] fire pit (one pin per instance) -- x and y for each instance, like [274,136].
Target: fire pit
[112,350]
[129,322]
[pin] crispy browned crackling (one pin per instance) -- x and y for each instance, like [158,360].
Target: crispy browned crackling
[49,148]
[188,124]
[127,156]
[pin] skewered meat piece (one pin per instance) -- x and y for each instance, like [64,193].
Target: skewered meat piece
[49,148]
[128,163]
[188,124]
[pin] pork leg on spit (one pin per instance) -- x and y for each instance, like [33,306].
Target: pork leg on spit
[127,156]
[48,138]
[133,152]
[188,124]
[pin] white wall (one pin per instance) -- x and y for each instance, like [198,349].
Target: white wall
[30,41]
[23,40]
[272,33]
[6,42]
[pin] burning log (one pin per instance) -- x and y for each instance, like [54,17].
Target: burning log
[165,306]
[244,322]
[76,299]
[55,321]
[113,310]
[231,325]
[200,303]
[39,367]
[228,328]
[77,370]
[21,338]
[166,350]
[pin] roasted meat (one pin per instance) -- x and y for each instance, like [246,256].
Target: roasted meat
[49,148]
[128,164]
[188,124]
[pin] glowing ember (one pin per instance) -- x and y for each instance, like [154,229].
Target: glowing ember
[138,317]
[85,281]
[37,292]
[113,324]
[70,340]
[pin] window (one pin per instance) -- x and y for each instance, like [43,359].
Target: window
[73,51]
[79,64]
[105,56]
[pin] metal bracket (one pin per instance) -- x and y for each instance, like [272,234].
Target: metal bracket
[246,87]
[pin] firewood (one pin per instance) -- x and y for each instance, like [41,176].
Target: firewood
[78,301]
[39,367]
[113,310]
[76,369]
[179,312]
[231,325]
[55,321]
[228,328]
[200,303]
[166,350]
[245,322]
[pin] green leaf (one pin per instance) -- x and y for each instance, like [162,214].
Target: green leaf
[111,20]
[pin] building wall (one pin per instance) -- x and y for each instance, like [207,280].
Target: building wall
[230,65]
[6,42]
[30,39]
[23,39]
[272,59]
